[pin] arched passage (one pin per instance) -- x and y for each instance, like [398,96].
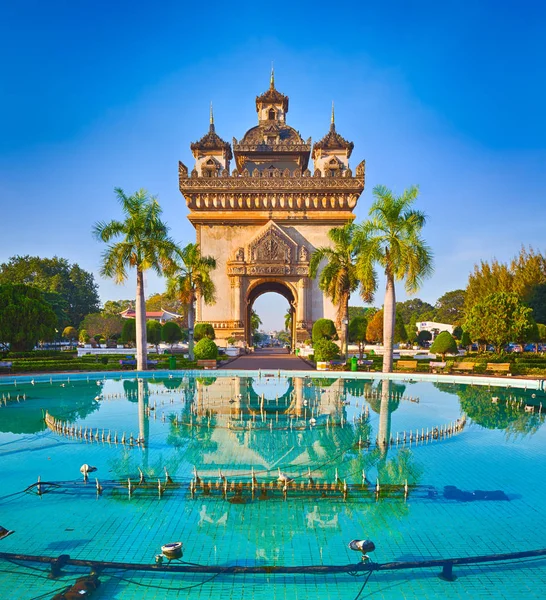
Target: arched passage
[259,288]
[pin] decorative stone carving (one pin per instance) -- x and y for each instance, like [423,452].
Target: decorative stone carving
[304,254]
[271,246]
[240,255]
[269,270]
[182,170]
[360,169]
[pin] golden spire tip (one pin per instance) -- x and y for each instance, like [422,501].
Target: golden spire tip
[272,79]
[211,115]
[333,116]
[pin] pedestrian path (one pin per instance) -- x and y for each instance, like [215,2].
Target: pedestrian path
[270,359]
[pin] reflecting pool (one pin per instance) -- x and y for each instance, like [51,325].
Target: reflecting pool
[272,470]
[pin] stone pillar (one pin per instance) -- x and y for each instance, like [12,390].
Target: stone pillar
[236,299]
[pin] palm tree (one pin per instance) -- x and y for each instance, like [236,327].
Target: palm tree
[392,239]
[288,320]
[338,278]
[190,280]
[145,244]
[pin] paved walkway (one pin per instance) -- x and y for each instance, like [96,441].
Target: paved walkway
[270,359]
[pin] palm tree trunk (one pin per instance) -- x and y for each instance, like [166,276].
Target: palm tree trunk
[191,320]
[384,432]
[389,316]
[343,318]
[140,310]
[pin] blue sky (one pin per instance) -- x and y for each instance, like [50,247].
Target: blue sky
[450,96]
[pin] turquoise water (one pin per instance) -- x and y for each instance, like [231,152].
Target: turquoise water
[225,429]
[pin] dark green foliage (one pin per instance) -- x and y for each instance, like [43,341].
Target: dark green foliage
[171,333]
[205,349]
[423,336]
[128,333]
[325,350]
[116,307]
[498,319]
[537,302]
[465,340]
[76,287]
[153,332]
[450,307]
[415,307]
[324,329]
[357,332]
[203,330]
[25,317]
[444,344]
[400,333]
[457,332]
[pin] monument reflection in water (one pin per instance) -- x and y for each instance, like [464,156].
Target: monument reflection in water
[269,470]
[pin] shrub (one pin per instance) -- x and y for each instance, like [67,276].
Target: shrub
[205,349]
[444,344]
[128,332]
[171,333]
[203,330]
[325,350]
[84,336]
[324,329]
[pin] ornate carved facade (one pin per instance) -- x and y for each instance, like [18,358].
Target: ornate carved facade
[263,221]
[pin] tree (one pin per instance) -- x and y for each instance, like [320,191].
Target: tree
[255,322]
[70,333]
[323,329]
[144,245]
[191,280]
[374,331]
[392,239]
[128,332]
[444,344]
[400,333]
[103,324]
[288,320]
[414,307]
[153,333]
[163,302]
[338,278]
[450,307]
[325,350]
[537,302]
[466,340]
[25,316]
[357,333]
[206,349]
[457,332]
[423,337]
[116,307]
[76,287]
[521,276]
[83,336]
[171,333]
[498,319]
[204,330]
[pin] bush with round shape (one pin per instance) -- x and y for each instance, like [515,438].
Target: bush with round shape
[324,329]
[205,349]
[444,344]
[325,350]
[203,330]
[84,337]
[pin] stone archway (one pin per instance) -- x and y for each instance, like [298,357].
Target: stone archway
[260,286]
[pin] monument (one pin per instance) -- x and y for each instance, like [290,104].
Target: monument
[263,220]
